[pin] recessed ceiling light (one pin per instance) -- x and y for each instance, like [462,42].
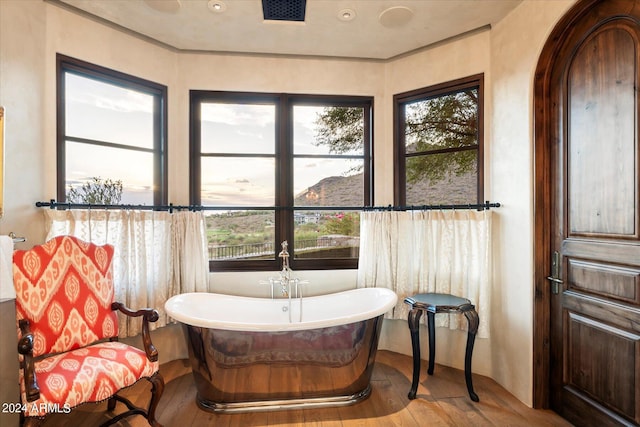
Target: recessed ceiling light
[395,17]
[217,6]
[165,6]
[347,15]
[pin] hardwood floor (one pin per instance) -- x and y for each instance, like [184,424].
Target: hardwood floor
[442,400]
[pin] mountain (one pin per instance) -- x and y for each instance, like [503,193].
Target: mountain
[347,191]
[333,191]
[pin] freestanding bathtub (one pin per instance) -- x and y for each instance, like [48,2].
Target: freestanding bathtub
[247,355]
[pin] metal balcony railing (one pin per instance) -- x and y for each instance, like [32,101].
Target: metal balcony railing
[256,250]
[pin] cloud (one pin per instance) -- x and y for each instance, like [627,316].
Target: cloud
[82,90]
[238,114]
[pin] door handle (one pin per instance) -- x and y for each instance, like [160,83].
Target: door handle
[555,272]
[555,284]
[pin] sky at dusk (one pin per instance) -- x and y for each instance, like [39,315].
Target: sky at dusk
[92,107]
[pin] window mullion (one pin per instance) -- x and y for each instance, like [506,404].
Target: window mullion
[195,150]
[284,174]
[368,155]
[160,173]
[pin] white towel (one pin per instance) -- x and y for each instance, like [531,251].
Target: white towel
[7,291]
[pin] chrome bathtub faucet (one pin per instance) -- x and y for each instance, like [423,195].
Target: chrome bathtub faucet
[285,274]
[289,286]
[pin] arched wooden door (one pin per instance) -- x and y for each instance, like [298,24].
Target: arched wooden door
[587,224]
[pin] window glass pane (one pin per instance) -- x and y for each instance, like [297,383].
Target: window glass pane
[448,121]
[105,112]
[240,235]
[133,168]
[449,178]
[237,128]
[328,130]
[233,181]
[252,157]
[328,182]
[327,234]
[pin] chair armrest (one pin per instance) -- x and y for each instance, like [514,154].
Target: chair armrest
[148,315]
[25,348]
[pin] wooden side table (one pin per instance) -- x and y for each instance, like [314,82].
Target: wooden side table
[433,304]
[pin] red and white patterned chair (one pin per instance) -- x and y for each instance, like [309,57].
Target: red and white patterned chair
[68,333]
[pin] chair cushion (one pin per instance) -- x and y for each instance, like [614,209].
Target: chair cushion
[64,288]
[89,374]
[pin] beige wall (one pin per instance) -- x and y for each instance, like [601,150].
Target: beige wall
[516,43]
[32,31]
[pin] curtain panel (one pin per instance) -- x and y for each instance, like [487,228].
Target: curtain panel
[443,251]
[157,254]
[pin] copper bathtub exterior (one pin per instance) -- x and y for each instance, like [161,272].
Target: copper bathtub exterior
[269,370]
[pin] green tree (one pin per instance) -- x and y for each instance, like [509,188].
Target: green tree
[344,224]
[442,122]
[96,192]
[341,129]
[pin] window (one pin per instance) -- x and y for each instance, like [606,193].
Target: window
[438,144]
[111,135]
[275,167]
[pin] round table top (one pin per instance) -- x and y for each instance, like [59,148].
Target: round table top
[436,300]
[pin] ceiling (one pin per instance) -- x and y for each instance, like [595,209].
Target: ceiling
[377,29]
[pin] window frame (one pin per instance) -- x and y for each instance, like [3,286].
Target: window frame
[284,159]
[66,64]
[426,93]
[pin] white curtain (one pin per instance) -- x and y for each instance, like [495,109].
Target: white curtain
[157,254]
[443,251]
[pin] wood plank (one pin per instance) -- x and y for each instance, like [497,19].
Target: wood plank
[442,401]
[399,370]
[180,374]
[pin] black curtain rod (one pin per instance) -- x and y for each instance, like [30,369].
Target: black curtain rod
[65,205]
[476,206]
[171,207]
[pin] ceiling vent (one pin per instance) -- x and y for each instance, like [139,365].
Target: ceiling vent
[284,10]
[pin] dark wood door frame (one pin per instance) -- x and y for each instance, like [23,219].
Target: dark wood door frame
[543,180]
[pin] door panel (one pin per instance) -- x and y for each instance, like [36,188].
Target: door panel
[621,252]
[601,129]
[594,199]
[606,280]
[592,346]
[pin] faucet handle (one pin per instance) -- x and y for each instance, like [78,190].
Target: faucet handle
[270,282]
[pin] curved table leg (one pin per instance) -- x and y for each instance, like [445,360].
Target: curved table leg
[473,320]
[414,326]
[431,327]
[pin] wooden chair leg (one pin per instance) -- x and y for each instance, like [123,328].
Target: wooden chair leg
[111,404]
[157,388]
